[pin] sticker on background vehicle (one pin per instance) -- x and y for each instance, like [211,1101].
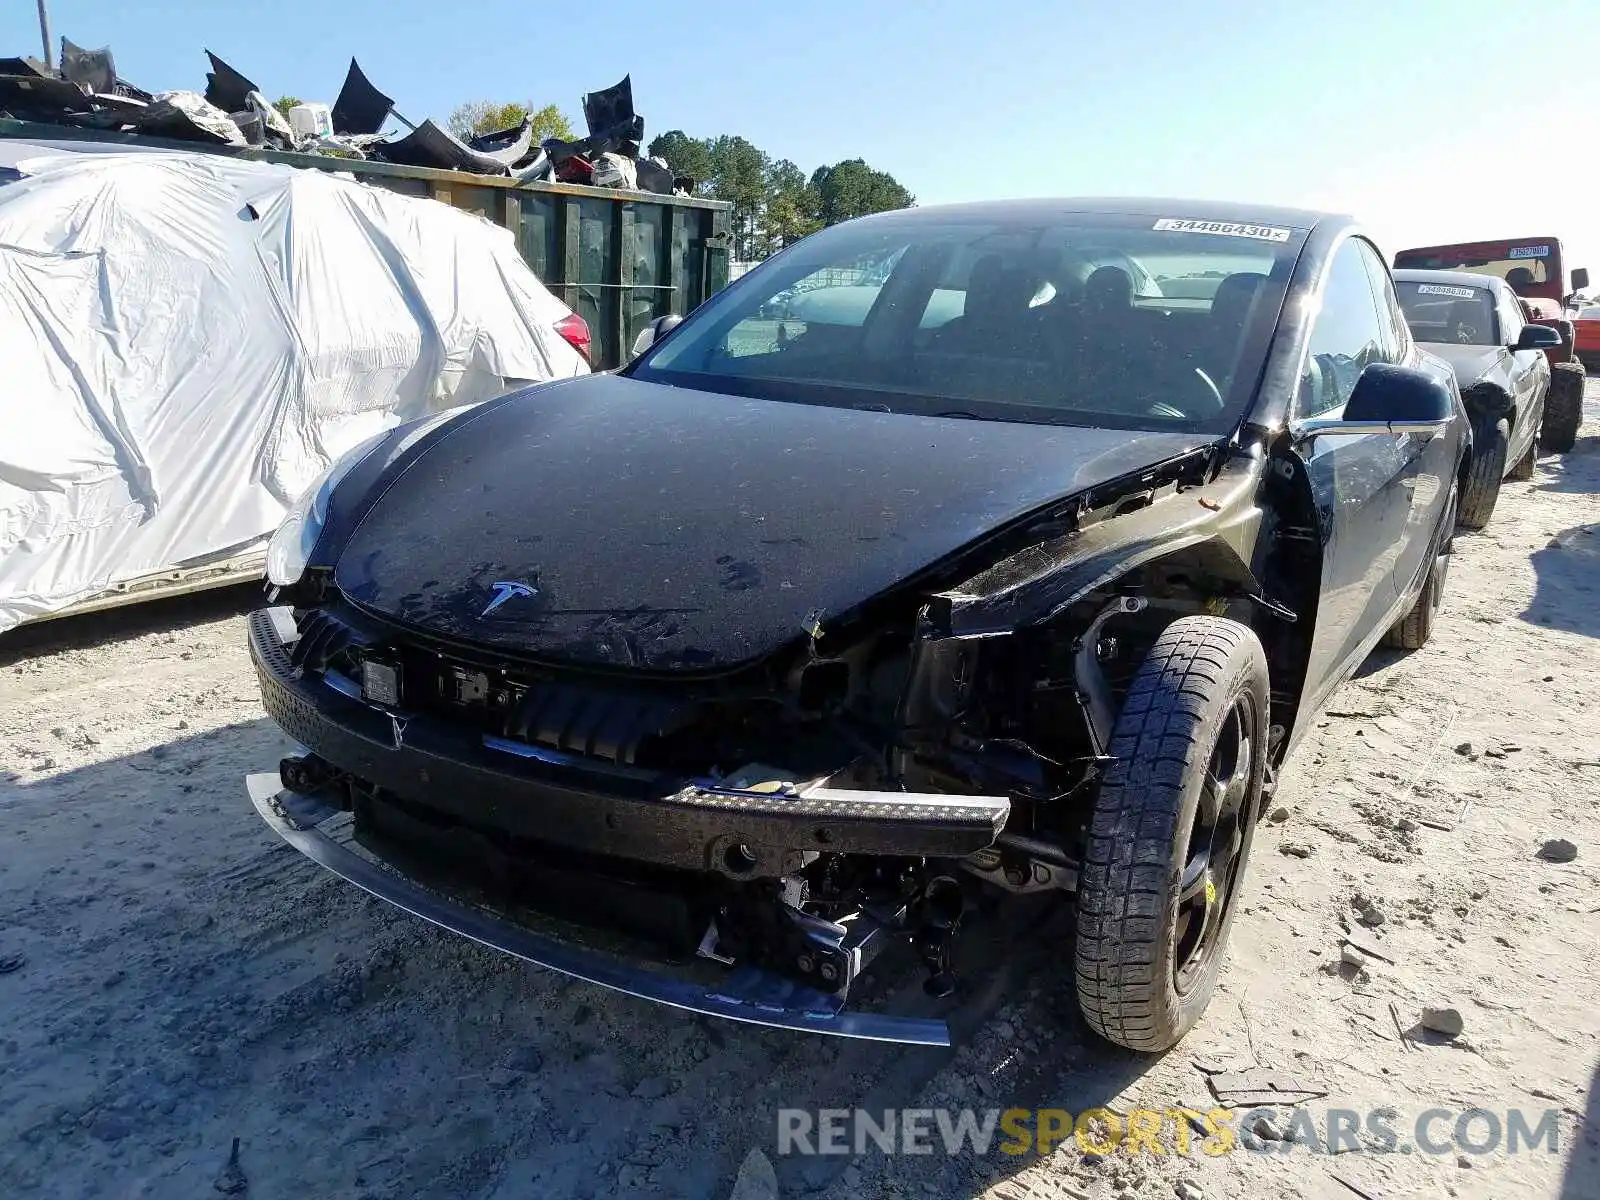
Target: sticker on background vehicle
[1265,233]
[1528,252]
[1444,289]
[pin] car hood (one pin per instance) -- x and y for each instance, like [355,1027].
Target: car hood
[659,528]
[1470,363]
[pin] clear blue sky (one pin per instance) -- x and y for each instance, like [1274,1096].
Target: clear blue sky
[1432,120]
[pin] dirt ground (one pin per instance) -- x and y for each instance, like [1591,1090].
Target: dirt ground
[173,978]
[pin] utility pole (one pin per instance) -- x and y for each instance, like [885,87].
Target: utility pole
[44,34]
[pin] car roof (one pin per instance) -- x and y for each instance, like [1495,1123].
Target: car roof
[1155,208]
[1470,279]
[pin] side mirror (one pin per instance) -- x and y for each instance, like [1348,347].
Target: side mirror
[654,332]
[1538,337]
[1389,399]
[1580,278]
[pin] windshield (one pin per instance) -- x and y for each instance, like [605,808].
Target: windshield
[1446,312]
[1131,322]
[1522,266]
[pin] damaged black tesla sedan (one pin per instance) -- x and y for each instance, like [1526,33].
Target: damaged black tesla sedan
[1017,561]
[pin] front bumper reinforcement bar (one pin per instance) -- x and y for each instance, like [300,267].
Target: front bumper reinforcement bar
[746,994]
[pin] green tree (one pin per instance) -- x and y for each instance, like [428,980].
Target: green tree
[486,116]
[774,204]
[284,103]
[739,176]
[852,189]
[791,206]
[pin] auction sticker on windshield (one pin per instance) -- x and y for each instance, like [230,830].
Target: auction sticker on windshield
[1444,289]
[1528,252]
[1265,233]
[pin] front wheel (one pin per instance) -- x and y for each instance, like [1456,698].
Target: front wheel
[1487,469]
[1171,832]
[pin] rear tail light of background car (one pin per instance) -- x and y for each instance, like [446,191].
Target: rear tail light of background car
[576,330]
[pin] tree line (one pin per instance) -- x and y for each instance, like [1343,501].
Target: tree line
[774,201]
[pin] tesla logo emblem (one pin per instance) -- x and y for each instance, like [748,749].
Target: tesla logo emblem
[504,591]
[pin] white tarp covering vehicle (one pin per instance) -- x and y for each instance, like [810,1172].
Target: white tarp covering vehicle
[188,340]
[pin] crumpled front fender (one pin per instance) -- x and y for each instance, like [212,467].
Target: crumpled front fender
[1216,524]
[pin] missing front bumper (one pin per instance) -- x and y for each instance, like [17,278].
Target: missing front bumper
[745,994]
[505,787]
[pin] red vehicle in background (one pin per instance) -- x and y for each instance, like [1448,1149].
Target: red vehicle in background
[1533,268]
[1586,334]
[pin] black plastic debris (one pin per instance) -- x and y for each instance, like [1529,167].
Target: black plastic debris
[95,71]
[226,88]
[360,108]
[176,118]
[252,126]
[92,70]
[41,98]
[609,113]
[506,146]
[653,177]
[25,66]
[430,146]
[87,92]
[231,1180]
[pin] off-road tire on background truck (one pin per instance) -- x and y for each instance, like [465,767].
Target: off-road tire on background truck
[1563,408]
[1183,796]
[1488,468]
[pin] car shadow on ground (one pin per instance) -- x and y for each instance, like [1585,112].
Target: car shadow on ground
[1379,660]
[166,614]
[1581,1181]
[1567,570]
[1578,470]
[187,979]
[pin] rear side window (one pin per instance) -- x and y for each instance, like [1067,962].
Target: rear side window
[1347,334]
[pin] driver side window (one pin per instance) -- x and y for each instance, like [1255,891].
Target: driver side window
[1348,333]
[1511,321]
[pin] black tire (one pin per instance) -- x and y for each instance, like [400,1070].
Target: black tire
[1522,470]
[1487,469]
[1145,967]
[1563,408]
[1412,631]
[1569,334]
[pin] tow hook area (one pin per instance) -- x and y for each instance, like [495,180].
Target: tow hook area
[306,773]
[937,916]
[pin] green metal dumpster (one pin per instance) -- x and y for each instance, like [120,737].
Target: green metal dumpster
[617,258]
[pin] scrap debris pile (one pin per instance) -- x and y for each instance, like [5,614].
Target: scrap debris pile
[86,91]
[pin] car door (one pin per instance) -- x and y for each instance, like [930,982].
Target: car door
[1530,375]
[1363,484]
[1433,459]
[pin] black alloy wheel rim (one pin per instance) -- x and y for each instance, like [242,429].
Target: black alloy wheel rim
[1214,858]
